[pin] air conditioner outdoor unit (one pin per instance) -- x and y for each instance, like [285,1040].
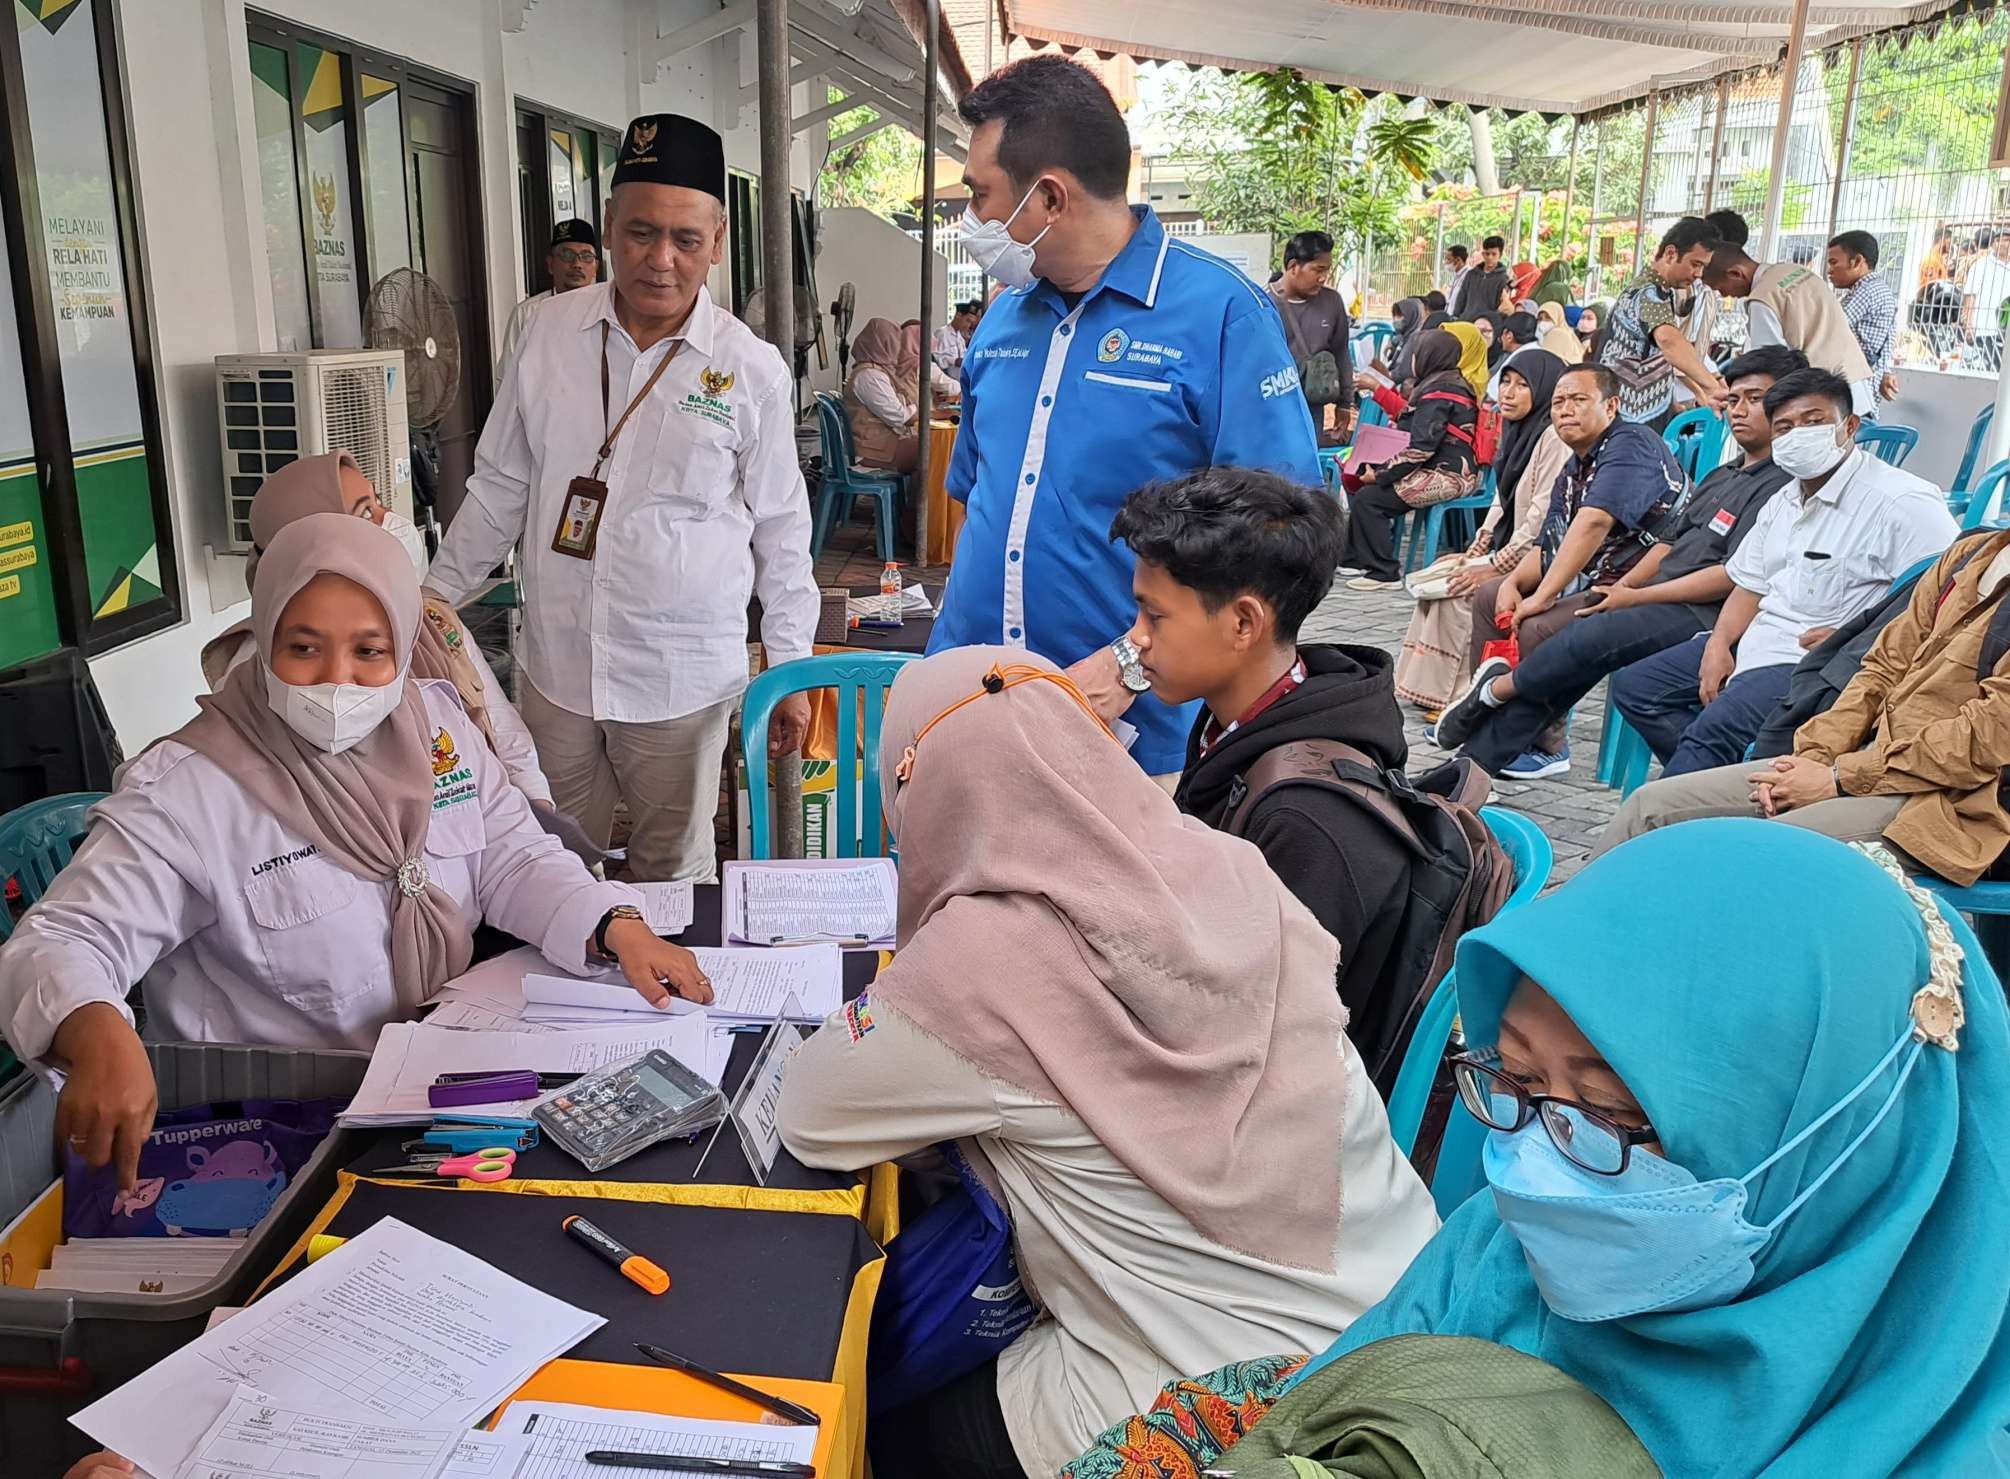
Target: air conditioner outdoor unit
[273,408]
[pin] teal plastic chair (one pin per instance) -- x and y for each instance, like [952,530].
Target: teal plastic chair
[1425,533]
[36,840]
[1892,444]
[844,480]
[1958,491]
[1527,847]
[1983,505]
[857,676]
[1330,459]
[1696,438]
[1987,906]
[1372,413]
[1623,756]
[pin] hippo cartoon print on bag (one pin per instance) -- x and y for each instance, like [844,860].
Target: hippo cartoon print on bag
[226,1193]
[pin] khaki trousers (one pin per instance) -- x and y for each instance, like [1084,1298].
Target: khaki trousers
[666,771]
[1727,792]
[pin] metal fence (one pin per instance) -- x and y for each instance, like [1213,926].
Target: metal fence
[1889,135]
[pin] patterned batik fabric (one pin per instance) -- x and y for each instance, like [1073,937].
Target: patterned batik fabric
[1191,1425]
[1646,379]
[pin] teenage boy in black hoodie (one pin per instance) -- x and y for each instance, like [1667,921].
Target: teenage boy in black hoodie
[1230,562]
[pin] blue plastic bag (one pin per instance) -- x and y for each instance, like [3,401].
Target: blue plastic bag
[950,1298]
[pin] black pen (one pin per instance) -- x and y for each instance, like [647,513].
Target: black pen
[780,1406]
[607,1458]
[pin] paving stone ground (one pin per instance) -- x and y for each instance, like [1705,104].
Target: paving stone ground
[1573,808]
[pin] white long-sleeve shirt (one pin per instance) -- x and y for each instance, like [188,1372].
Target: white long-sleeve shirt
[241,932]
[1132,1295]
[705,508]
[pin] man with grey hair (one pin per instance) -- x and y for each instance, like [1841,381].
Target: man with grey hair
[642,449]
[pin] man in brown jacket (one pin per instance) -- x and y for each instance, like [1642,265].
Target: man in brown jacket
[1915,747]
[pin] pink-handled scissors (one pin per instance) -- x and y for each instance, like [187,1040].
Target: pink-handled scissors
[494,1164]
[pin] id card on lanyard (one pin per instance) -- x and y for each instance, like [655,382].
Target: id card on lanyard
[578,531]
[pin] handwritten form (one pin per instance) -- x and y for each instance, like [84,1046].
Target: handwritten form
[793,903]
[560,1435]
[747,986]
[667,907]
[394,1328]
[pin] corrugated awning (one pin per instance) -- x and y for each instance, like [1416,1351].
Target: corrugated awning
[1543,56]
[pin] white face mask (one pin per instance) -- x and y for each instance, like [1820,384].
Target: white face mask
[993,249]
[333,716]
[411,536]
[1809,451]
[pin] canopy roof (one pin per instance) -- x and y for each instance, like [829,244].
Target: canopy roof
[1547,56]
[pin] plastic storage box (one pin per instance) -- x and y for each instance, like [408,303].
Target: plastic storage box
[61,1350]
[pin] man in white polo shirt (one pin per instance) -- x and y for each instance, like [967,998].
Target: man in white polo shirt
[1825,548]
[1985,287]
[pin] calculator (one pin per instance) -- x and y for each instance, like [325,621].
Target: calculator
[606,1117]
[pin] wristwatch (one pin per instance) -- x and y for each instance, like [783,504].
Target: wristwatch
[1130,666]
[619,911]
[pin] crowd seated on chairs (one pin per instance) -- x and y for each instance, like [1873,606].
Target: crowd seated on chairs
[1672,595]
[1817,556]
[1435,663]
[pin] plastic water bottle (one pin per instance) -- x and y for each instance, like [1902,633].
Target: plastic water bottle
[892,600]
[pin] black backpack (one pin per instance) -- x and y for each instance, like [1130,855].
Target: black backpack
[1459,876]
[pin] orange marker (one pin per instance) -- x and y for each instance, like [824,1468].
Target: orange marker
[632,1265]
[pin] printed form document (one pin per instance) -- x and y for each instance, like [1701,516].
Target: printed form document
[395,1329]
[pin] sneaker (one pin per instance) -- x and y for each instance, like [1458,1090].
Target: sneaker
[1346,571]
[1431,734]
[1538,765]
[1370,583]
[1464,713]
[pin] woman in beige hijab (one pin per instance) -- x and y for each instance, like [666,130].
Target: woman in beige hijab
[1129,1027]
[333,483]
[305,861]
[881,407]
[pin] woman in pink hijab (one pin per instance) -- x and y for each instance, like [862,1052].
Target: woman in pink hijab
[1128,1027]
[303,862]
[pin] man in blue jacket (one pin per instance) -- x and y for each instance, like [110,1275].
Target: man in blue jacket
[1120,356]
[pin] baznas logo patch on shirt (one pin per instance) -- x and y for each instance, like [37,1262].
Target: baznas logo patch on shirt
[715,382]
[1113,346]
[445,758]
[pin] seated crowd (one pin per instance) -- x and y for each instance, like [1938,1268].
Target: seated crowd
[1772,1250]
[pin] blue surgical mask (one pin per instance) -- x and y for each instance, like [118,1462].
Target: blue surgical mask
[1653,1238]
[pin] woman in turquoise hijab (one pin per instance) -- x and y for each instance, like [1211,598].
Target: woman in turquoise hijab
[1804,1268]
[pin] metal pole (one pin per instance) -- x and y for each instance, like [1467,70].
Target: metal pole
[1647,174]
[1783,127]
[1848,129]
[1569,194]
[1593,274]
[1534,253]
[1514,241]
[778,291]
[1716,145]
[1438,251]
[931,44]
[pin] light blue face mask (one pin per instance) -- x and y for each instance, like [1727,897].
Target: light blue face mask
[1652,1238]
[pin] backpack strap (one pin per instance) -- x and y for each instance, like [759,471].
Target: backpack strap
[1453,428]
[1332,764]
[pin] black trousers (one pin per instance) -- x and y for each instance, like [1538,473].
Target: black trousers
[958,1430]
[1371,531]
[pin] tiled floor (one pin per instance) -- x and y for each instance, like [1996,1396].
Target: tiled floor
[1573,809]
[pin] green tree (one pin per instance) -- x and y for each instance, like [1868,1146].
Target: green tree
[879,173]
[1277,152]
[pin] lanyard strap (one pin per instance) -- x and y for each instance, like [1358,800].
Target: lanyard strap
[607,446]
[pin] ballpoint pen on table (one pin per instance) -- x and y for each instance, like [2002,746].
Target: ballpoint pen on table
[780,1406]
[607,1458]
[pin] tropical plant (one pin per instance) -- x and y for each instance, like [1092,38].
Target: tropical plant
[878,173]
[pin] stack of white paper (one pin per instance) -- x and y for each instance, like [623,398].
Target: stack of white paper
[559,1435]
[667,907]
[410,1056]
[747,986]
[137,1265]
[854,902]
[401,1338]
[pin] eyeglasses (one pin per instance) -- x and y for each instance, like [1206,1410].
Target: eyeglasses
[578,259]
[1588,1139]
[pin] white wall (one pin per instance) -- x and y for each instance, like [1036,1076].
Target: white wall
[1942,407]
[201,219]
[883,265]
